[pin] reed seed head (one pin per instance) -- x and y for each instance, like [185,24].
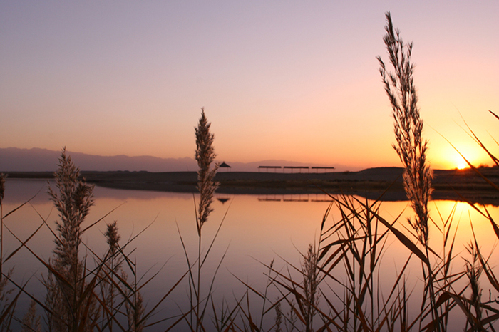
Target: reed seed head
[112,236]
[408,125]
[205,155]
[73,200]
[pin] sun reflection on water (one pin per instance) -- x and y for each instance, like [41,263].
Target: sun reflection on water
[256,230]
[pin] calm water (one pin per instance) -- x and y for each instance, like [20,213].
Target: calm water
[256,230]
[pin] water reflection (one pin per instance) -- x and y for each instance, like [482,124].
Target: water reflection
[256,229]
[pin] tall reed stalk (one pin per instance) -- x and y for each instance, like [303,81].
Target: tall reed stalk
[411,147]
[205,156]
[72,308]
[408,126]
[110,272]
[310,271]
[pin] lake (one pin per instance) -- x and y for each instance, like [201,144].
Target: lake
[256,230]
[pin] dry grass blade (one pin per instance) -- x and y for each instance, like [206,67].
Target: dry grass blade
[114,274]
[54,234]
[287,262]
[449,254]
[21,288]
[238,307]
[486,321]
[461,303]
[486,268]
[396,284]
[299,299]
[215,318]
[385,320]
[486,215]
[47,265]
[150,278]
[102,218]
[23,243]
[360,314]
[349,241]
[327,318]
[163,298]
[492,222]
[226,321]
[326,214]
[496,116]
[20,206]
[109,313]
[10,308]
[472,166]
[490,275]
[270,280]
[210,290]
[130,264]
[445,296]
[89,288]
[341,250]
[249,287]
[216,234]
[402,238]
[250,318]
[479,142]
[286,278]
[181,318]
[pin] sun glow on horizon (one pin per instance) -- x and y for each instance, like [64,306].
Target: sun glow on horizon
[461,165]
[456,160]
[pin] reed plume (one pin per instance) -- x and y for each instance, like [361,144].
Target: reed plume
[31,321]
[205,155]
[134,305]
[70,308]
[73,204]
[7,305]
[110,270]
[310,271]
[473,270]
[411,147]
[408,125]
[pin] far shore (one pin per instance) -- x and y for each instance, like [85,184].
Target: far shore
[381,182]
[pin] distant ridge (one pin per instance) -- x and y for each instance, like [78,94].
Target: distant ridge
[43,160]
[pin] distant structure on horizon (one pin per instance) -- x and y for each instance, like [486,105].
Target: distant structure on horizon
[299,168]
[225,165]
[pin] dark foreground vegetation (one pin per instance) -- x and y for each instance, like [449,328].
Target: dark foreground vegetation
[89,291]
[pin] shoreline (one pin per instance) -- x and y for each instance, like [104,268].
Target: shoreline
[372,183]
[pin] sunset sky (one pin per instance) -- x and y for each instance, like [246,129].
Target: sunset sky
[292,80]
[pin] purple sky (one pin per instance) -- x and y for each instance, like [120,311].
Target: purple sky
[287,80]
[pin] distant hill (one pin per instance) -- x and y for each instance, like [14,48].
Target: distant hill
[43,160]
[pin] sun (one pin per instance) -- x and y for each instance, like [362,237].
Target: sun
[459,161]
[453,160]
[461,164]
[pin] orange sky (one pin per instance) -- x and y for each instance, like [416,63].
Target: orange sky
[278,80]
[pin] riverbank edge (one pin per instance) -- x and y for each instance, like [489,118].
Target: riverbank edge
[373,183]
